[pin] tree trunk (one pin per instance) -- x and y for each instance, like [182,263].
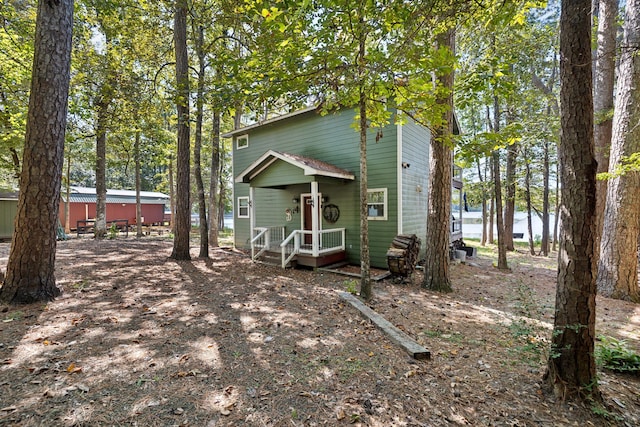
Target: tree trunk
[571,365]
[182,220]
[365,279]
[510,196]
[556,220]
[492,206]
[436,268]
[67,210]
[553,109]
[502,248]
[214,185]
[100,230]
[527,196]
[365,274]
[483,239]
[618,266]
[197,169]
[604,77]
[136,156]
[544,246]
[172,195]
[31,265]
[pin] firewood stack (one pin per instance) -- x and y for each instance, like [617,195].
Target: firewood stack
[402,256]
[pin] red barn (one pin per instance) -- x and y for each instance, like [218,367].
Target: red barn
[121,205]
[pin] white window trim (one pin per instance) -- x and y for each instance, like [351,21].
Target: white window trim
[385,203]
[241,137]
[248,207]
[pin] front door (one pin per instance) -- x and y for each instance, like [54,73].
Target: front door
[307,219]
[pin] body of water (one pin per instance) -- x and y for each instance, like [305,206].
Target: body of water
[472,225]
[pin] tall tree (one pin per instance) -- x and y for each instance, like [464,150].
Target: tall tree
[215,182]
[197,147]
[436,268]
[527,197]
[604,80]
[30,269]
[618,266]
[102,117]
[138,177]
[510,195]
[502,246]
[571,365]
[182,220]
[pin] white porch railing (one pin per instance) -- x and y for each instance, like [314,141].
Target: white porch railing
[266,238]
[328,241]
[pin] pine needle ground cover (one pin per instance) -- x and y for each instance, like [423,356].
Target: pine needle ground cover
[139,339]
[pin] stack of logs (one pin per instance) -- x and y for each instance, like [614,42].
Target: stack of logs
[402,256]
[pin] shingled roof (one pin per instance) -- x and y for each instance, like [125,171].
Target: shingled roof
[309,166]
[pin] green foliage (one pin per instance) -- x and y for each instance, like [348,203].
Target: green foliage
[112,233]
[14,315]
[509,63]
[598,409]
[614,355]
[529,336]
[351,286]
[629,164]
[16,55]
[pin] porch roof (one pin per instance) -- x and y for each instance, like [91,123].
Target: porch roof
[308,165]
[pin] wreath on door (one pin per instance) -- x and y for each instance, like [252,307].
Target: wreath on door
[330,213]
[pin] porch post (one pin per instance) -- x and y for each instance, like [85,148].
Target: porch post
[315,224]
[252,218]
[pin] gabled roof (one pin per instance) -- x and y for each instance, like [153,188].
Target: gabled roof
[244,129]
[88,195]
[308,165]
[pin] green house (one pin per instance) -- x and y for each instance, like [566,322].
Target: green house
[8,209]
[296,187]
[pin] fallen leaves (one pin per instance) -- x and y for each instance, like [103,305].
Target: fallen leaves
[72,368]
[344,377]
[191,373]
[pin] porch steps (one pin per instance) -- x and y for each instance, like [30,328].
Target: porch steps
[275,258]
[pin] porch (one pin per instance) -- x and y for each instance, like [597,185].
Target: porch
[284,186]
[300,247]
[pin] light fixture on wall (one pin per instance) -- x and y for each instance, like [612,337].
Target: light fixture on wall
[295,201]
[295,209]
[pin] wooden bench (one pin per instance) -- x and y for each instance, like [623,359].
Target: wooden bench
[85,226]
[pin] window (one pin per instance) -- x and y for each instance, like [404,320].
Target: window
[243,207]
[377,203]
[242,142]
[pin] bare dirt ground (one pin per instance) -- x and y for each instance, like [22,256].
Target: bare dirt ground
[140,339]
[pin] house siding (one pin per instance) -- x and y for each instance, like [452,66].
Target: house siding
[332,139]
[415,180]
[8,210]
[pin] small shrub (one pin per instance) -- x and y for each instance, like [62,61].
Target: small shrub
[113,231]
[351,286]
[614,355]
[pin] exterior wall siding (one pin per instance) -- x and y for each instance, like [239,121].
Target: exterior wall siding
[332,139]
[8,209]
[415,180]
[152,213]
